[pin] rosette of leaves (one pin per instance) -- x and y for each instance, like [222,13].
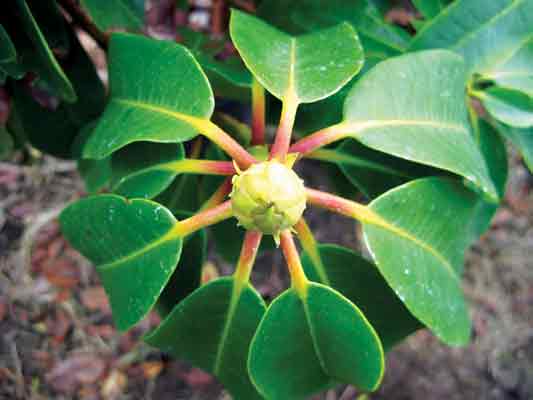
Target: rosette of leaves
[341,311]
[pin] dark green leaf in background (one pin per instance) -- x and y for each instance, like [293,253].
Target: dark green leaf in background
[126,14]
[33,35]
[360,281]
[229,78]
[429,8]
[141,169]
[212,328]
[6,143]
[54,130]
[187,276]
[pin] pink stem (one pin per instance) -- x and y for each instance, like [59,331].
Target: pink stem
[319,139]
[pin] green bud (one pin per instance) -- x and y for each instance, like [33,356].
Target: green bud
[268,197]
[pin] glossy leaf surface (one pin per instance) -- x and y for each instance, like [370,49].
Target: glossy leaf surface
[168,90]
[360,281]
[212,328]
[132,246]
[485,33]
[303,68]
[514,71]
[509,106]
[418,241]
[306,345]
[127,14]
[413,107]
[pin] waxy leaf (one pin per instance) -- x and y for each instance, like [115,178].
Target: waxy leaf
[311,15]
[485,33]
[429,8]
[360,281]
[515,72]
[417,239]
[127,14]
[144,169]
[34,51]
[212,328]
[509,106]
[305,345]
[374,172]
[413,107]
[133,246]
[303,68]
[187,276]
[522,139]
[158,94]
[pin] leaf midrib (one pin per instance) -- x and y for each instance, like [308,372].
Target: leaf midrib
[355,128]
[171,234]
[378,220]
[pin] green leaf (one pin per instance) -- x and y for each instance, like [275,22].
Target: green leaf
[509,106]
[228,238]
[34,52]
[429,8]
[485,33]
[182,195]
[54,130]
[229,77]
[310,15]
[495,154]
[126,14]
[514,71]
[132,245]
[212,328]
[150,98]
[96,174]
[6,143]
[360,281]
[418,239]
[374,172]
[303,68]
[379,113]
[8,53]
[187,276]
[522,139]
[306,345]
[144,169]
